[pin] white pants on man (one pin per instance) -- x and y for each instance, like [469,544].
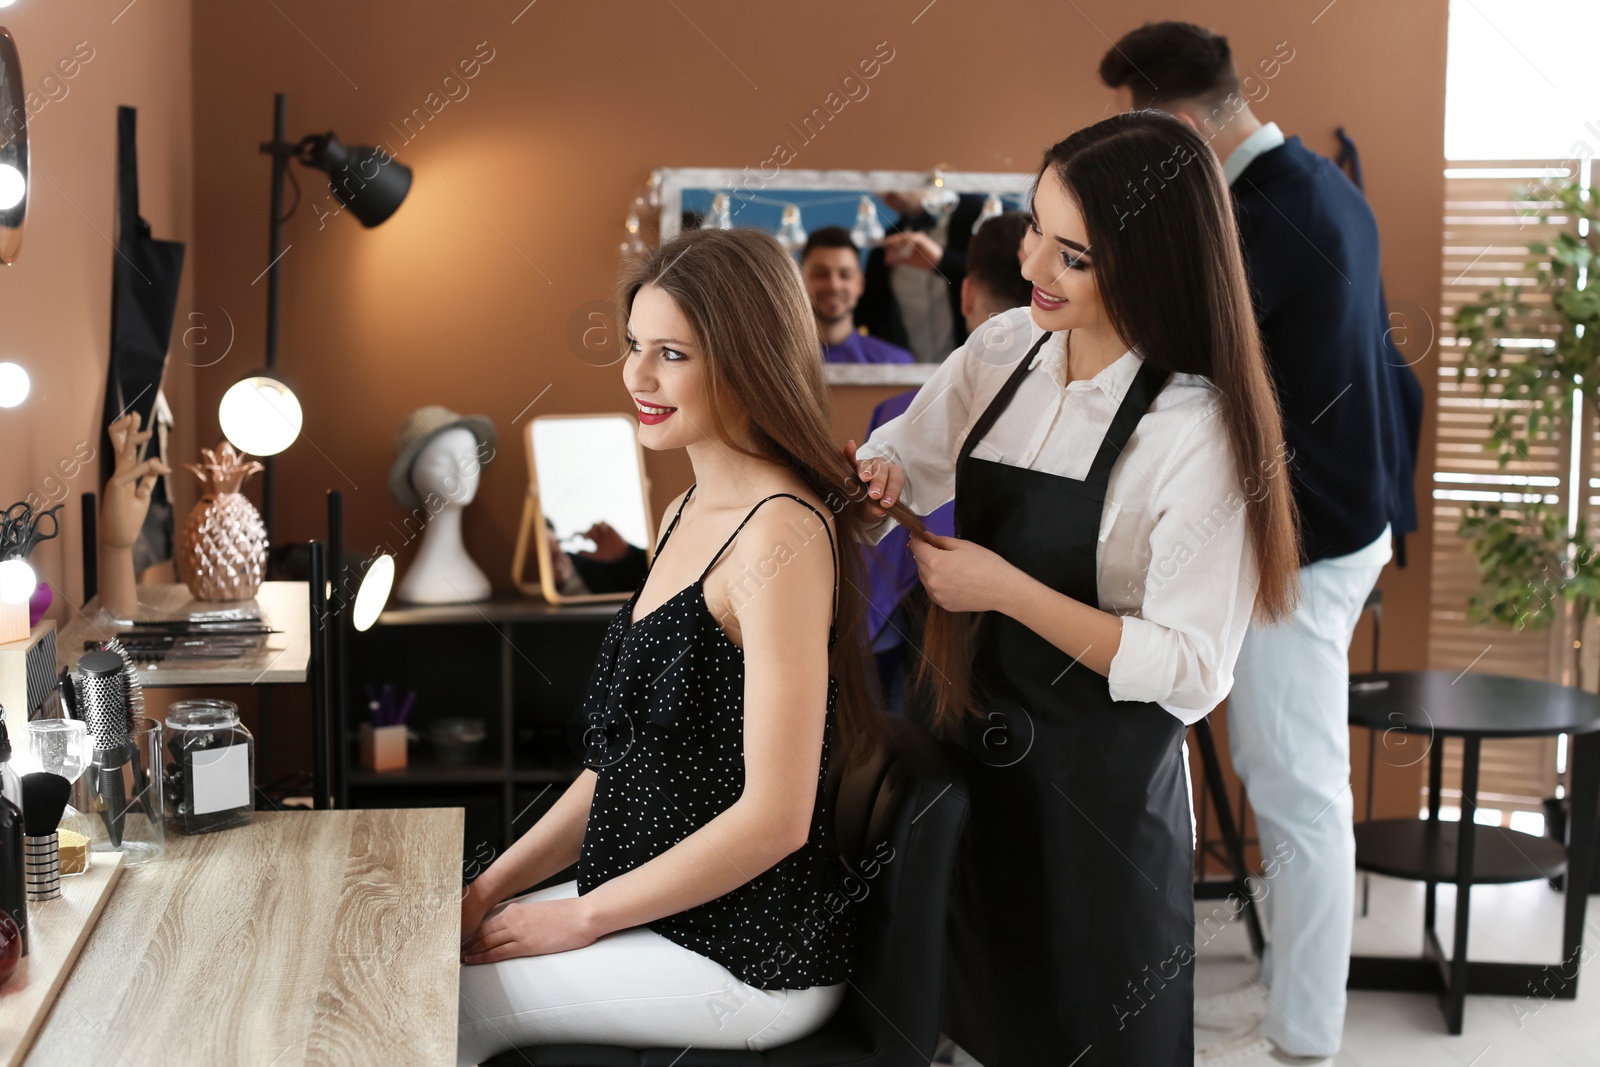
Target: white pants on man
[1289,735]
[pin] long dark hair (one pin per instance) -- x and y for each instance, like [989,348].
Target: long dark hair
[744,298]
[1171,273]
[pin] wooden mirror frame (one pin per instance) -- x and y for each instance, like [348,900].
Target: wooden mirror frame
[531,525]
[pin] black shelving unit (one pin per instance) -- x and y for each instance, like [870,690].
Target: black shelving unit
[520,665]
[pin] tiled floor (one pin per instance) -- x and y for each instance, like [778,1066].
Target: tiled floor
[1515,923]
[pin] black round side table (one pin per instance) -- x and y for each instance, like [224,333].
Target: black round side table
[1428,707]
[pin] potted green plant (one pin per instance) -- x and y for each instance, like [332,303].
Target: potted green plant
[1533,564]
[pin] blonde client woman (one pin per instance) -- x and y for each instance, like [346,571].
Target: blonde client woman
[1115,456]
[709,907]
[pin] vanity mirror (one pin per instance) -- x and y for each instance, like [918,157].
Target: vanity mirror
[907,301]
[586,512]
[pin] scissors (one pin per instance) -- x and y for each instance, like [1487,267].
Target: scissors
[19,529]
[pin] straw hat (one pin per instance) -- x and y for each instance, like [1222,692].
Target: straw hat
[419,428]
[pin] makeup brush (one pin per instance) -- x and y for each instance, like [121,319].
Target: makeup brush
[44,798]
[103,702]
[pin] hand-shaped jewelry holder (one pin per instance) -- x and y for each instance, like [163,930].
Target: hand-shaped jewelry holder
[123,505]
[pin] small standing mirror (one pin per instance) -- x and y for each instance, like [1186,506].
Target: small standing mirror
[587,514]
[13,150]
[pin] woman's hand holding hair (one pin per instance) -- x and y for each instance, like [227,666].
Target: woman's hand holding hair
[963,575]
[884,480]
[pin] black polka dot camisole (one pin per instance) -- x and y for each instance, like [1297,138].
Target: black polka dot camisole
[664,732]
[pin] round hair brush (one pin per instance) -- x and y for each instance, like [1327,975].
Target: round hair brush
[135,703]
[102,688]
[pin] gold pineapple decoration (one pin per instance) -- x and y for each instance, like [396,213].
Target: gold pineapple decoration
[222,549]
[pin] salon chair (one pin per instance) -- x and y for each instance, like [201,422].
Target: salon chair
[911,799]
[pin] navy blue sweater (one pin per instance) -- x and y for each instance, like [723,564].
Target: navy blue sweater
[1351,407]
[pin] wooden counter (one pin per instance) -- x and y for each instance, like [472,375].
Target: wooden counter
[326,937]
[282,657]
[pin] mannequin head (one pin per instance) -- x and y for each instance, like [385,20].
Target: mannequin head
[447,469]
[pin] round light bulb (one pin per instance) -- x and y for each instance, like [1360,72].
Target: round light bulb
[12,184]
[260,415]
[13,385]
[868,232]
[373,593]
[17,581]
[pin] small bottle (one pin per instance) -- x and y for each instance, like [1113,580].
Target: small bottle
[10,783]
[13,869]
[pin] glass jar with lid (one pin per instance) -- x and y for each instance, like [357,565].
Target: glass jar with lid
[211,779]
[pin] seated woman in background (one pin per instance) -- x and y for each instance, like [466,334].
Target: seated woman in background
[699,826]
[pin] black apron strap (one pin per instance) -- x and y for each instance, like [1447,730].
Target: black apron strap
[1001,400]
[1141,393]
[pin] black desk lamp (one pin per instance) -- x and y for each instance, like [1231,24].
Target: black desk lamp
[261,408]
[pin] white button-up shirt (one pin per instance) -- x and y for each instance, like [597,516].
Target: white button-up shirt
[1174,557]
[1264,139]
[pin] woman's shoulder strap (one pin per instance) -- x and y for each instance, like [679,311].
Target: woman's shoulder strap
[832,548]
[673,525]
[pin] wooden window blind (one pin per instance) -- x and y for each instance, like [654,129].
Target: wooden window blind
[1486,234]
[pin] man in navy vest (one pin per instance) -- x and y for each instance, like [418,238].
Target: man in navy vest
[1351,409]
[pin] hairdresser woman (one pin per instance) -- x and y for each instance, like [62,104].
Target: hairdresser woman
[1114,453]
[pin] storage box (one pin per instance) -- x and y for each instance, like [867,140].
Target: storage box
[383,748]
[27,674]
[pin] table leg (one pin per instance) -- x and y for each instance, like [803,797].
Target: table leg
[1435,783]
[1581,824]
[1372,767]
[317,676]
[1231,839]
[1456,995]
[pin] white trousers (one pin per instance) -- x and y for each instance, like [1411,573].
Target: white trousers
[632,988]
[1288,729]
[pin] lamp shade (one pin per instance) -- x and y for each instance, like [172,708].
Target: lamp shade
[368,181]
[17,581]
[373,593]
[260,415]
[13,385]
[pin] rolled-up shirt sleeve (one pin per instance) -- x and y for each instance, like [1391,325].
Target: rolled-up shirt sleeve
[924,439]
[1179,649]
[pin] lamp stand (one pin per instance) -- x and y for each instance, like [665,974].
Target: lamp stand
[281,152]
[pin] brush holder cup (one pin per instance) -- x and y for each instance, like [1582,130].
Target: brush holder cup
[122,799]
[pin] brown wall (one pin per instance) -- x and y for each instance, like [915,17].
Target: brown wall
[55,301]
[465,296]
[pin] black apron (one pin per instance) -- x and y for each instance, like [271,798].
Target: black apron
[1072,906]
